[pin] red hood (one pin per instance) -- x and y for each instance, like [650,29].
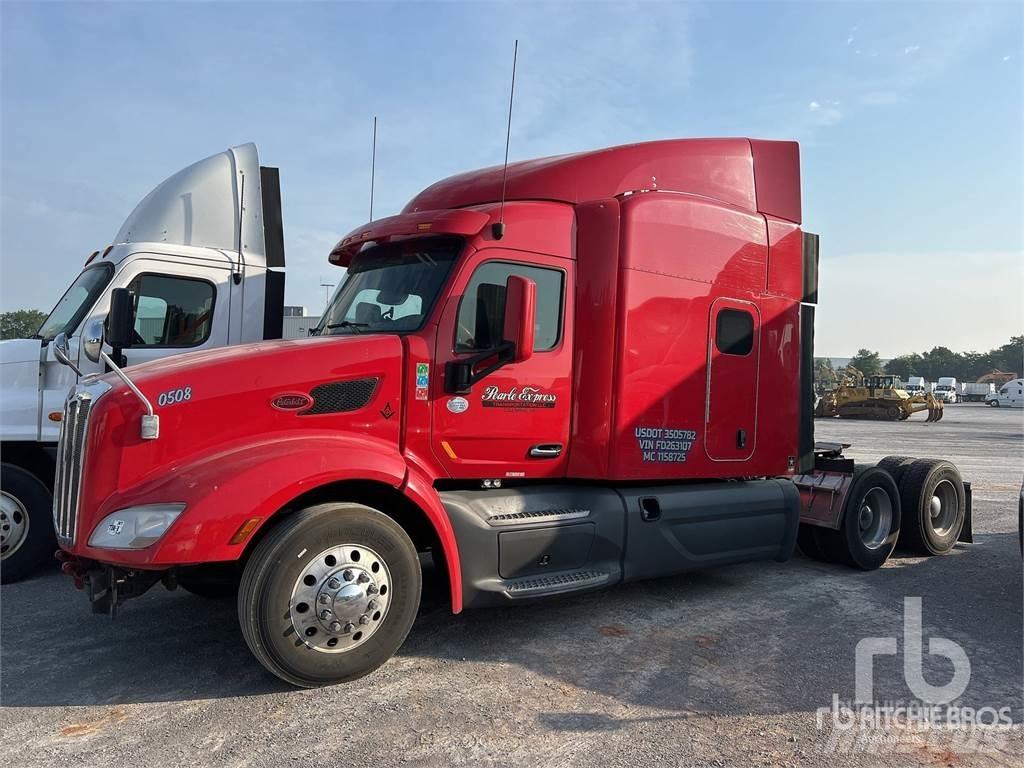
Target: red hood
[214,403]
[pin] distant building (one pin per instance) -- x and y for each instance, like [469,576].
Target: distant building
[294,311]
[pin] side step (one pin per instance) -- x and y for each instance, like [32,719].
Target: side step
[555,583]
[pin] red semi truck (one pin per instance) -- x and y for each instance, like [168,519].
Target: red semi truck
[587,370]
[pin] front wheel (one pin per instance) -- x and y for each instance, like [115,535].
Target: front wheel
[329,594]
[27,540]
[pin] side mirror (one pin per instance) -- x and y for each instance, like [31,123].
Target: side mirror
[517,338]
[62,351]
[120,321]
[92,340]
[520,316]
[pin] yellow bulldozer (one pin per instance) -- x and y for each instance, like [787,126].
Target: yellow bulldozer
[878,397]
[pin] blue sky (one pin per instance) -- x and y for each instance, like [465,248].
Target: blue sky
[909,118]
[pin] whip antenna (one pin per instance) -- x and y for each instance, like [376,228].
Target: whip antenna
[373,163]
[498,228]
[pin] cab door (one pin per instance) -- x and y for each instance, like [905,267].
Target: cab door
[730,414]
[515,421]
[180,306]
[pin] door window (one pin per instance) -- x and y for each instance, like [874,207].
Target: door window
[172,311]
[481,316]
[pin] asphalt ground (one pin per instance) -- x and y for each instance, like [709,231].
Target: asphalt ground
[726,667]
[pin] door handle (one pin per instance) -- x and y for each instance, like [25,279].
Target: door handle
[546,451]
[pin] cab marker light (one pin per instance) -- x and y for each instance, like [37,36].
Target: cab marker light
[55,416]
[448,450]
[245,530]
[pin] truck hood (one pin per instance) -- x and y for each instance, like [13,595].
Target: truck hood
[20,351]
[217,407]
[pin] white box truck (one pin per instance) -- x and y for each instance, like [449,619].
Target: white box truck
[202,256]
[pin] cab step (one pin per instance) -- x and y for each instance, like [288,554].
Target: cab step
[555,583]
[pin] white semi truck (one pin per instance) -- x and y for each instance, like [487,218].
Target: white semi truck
[203,258]
[947,390]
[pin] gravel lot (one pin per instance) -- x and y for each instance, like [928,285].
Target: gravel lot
[719,668]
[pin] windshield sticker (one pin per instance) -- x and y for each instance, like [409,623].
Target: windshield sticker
[422,380]
[516,397]
[458,405]
[664,446]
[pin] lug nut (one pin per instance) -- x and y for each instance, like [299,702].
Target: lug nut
[348,575]
[372,589]
[363,578]
[325,598]
[372,605]
[333,584]
[349,627]
[335,626]
[325,614]
[364,619]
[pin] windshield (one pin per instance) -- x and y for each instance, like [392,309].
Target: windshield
[76,301]
[390,288]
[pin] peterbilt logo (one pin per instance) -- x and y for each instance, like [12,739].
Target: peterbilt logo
[291,401]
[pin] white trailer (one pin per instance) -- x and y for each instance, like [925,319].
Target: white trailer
[973,392]
[202,255]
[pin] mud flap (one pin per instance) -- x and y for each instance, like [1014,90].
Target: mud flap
[967,532]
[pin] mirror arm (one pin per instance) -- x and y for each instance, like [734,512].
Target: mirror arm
[65,360]
[505,353]
[150,422]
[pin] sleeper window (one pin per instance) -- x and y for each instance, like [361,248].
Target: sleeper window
[734,334]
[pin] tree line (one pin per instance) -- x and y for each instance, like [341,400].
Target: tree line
[20,324]
[940,361]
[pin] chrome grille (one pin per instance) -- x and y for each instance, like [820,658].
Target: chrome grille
[71,449]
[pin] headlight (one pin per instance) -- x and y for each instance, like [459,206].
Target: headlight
[135,527]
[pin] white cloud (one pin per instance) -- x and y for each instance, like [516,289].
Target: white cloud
[1006,58]
[911,49]
[814,106]
[824,114]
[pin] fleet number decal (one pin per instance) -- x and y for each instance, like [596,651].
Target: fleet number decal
[173,396]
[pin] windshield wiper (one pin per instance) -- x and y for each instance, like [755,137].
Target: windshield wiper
[345,324]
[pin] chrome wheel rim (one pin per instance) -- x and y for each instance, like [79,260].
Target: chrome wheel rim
[340,598]
[13,525]
[942,507]
[874,518]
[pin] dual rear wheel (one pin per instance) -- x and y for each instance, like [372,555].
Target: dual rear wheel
[919,504]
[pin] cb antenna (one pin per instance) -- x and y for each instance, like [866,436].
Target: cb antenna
[373,163]
[498,228]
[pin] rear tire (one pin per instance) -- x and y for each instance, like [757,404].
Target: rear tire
[27,539]
[329,594]
[896,466]
[807,540]
[871,521]
[932,493]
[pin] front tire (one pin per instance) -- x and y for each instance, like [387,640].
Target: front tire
[329,594]
[27,540]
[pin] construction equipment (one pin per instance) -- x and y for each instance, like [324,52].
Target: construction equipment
[877,397]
